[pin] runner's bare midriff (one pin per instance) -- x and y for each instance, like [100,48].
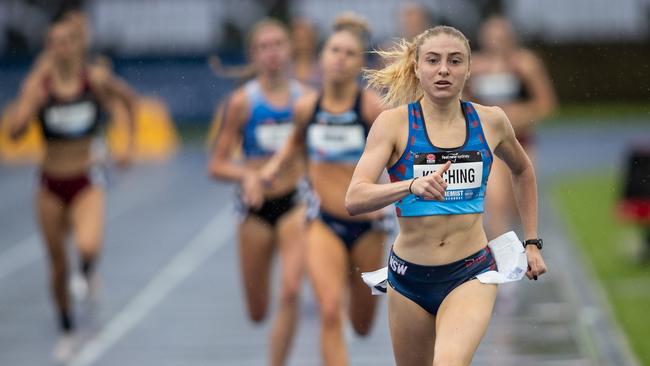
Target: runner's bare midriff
[67,158]
[285,182]
[331,181]
[436,240]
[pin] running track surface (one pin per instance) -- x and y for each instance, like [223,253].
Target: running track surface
[170,290]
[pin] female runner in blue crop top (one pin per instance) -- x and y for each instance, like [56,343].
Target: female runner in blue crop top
[69,97]
[438,151]
[331,129]
[259,118]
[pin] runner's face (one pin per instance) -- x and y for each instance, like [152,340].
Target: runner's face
[270,49]
[496,35]
[443,66]
[62,42]
[342,57]
[304,37]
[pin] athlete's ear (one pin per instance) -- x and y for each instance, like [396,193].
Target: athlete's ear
[416,69]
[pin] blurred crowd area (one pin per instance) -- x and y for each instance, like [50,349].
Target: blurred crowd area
[161,46]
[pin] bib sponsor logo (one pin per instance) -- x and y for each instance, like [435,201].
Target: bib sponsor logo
[397,266]
[272,136]
[431,158]
[70,118]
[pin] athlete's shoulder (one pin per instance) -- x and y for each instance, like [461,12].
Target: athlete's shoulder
[528,61]
[303,88]
[393,117]
[305,105]
[492,116]
[307,100]
[370,95]
[239,98]
[98,74]
[371,105]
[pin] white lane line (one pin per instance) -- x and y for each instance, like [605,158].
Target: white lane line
[29,250]
[201,247]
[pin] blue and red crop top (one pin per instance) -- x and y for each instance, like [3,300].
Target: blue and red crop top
[466,178]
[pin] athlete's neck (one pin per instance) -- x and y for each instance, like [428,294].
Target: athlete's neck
[68,69]
[502,53]
[339,92]
[441,112]
[273,82]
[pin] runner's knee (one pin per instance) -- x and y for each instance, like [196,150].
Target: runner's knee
[330,310]
[290,292]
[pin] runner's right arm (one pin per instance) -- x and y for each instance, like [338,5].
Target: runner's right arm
[31,98]
[222,165]
[364,193]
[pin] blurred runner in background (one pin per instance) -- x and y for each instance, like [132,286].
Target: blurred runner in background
[305,42]
[258,118]
[331,130]
[68,95]
[513,78]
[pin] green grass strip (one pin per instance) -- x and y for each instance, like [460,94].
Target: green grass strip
[611,247]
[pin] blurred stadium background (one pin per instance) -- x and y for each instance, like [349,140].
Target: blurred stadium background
[596,51]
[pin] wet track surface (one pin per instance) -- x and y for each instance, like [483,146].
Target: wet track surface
[170,291]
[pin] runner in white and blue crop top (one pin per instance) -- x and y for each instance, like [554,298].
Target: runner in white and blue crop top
[258,117]
[268,125]
[438,151]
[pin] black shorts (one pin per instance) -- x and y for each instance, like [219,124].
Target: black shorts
[273,209]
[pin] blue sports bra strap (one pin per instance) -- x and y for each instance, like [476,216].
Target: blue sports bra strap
[412,122]
[416,122]
[475,128]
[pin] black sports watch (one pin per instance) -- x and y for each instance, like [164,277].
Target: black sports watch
[539,243]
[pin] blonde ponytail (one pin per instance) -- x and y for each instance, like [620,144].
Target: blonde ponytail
[397,80]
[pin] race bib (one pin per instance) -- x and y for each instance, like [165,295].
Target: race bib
[337,139]
[272,136]
[71,118]
[464,177]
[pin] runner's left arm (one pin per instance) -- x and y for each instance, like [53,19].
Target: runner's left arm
[113,87]
[524,185]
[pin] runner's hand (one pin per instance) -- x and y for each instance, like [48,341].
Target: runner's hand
[268,173]
[432,186]
[252,190]
[536,265]
[123,160]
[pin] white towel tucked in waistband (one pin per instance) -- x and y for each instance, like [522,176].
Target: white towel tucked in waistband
[510,256]
[377,280]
